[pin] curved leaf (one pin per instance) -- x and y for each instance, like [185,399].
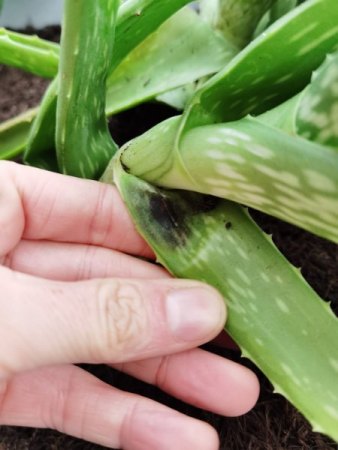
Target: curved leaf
[29,53]
[277,319]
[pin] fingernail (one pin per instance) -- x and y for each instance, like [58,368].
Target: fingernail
[195,314]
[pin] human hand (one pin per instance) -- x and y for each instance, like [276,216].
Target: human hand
[71,292]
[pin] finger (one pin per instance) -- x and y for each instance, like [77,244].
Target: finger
[76,403]
[74,262]
[40,205]
[106,320]
[201,379]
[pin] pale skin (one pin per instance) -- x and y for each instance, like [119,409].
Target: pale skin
[73,290]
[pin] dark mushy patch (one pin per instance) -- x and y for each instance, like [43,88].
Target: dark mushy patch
[173,212]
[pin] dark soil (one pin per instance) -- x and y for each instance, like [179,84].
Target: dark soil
[274,424]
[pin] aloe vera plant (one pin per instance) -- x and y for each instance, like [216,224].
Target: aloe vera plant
[196,52]
[282,159]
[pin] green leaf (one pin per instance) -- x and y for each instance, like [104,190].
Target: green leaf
[235,19]
[14,133]
[247,162]
[282,7]
[83,141]
[183,50]
[137,19]
[277,10]
[277,319]
[272,68]
[264,168]
[29,53]
[317,114]
[178,98]
[312,113]
[40,145]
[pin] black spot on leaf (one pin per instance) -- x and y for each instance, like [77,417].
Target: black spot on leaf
[174,212]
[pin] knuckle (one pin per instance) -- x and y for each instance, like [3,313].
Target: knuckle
[57,413]
[130,424]
[103,208]
[6,372]
[11,355]
[7,172]
[12,218]
[6,167]
[6,180]
[161,374]
[7,260]
[4,392]
[9,363]
[123,319]
[85,265]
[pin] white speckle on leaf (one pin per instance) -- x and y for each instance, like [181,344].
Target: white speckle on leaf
[316,42]
[260,151]
[334,363]
[214,140]
[235,133]
[332,410]
[320,181]
[282,306]
[228,171]
[265,277]
[295,37]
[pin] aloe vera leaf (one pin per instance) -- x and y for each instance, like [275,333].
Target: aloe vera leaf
[256,79]
[178,98]
[183,50]
[137,19]
[247,162]
[40,145]
[313,113]
[283,115]
[277,319]
[29,53]
[278,9]
[83,141]
[235,19]
[282,7]
[13,134]
[317,115]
